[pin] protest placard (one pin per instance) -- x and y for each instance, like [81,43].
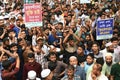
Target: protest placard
[104,29]
[33,15]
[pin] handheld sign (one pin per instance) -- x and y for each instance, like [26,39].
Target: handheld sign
[33,15]
[104,29]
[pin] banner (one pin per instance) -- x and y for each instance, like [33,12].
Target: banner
[84,1]
[104,29]
[33,15]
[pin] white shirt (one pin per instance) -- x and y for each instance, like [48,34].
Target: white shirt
[101,77]
[104,51]
[117,53]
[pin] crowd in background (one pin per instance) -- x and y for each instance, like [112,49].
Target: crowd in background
[65,47]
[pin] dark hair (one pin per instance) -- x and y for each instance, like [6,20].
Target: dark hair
[60,23]
[52,65]
[52,54]
[6,55]
[82,46]
[31,55]
[70,38]
[17,19]
[95,43]
[28,43]
[100,61]
[23,26]
[5,39]
[114,39]
[89,45]
[11,31]
[91,55]
[99,66]
[20,39]
[70,67]
[13,44]
[6,64]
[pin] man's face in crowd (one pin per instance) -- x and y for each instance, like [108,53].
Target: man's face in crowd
[87,38]
[92,11]
[69,18]
[6,42]
[40,42]
[95,47]
[95,69]
[103,16]
[18,23]
[79,50]
[31,60]
[20,17]
[53,17]
[115,43]
[4,58]
[72,25]
[110,49]
[73,61]
[71,43]
[93,17]
[60,26]
[22,42]
[70,73]
[11,34]
[108,60]
[89,59]
[14,48]
[53,58]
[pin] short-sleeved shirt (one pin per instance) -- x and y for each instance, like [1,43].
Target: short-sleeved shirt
[75,77]
[115,71]
[59,67]
[101,77]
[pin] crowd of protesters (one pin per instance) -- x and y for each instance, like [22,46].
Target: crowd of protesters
[65,47]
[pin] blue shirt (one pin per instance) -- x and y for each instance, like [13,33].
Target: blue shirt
[80,72]
[76,77]
[51,39]
[87,66]
[16,29]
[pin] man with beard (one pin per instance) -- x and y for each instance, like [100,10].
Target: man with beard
[109,49]
[108,64]
[31,65]
[60,68]
[79,70]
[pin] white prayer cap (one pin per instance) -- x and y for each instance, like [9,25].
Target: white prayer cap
[107,10]
[73,57]
[31,74]
[108,44]
[45,73]
[108,54]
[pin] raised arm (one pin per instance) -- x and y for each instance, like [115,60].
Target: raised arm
[1,56]
[16,69]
